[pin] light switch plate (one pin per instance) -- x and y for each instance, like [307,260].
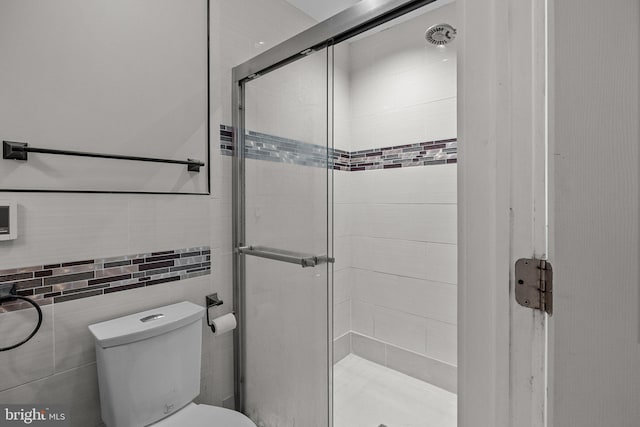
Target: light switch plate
[8,220]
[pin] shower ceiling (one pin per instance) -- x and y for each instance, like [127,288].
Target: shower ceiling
[321,10]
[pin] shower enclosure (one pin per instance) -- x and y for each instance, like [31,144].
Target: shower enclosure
[283,226]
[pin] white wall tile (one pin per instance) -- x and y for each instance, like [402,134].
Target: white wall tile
[403,89]
[221,218]
[290,197]
[400,329]
[342,285]
[342,253]
[402,223]
[342,191]
[167,222]
[74,344]
[66,227]
[241,25]
[394,126]
[362,317]
[420,297]
[442,341]
[33,360]
[430,184]
[436,223]
[77,388]
[369,349]
[342,219]
[429,261]
[341,348]
[222,277]
[432,371]
[218,385]
[341,318]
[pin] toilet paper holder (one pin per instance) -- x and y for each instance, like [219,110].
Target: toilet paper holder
[212,301]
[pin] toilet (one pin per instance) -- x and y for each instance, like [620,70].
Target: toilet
[149,370]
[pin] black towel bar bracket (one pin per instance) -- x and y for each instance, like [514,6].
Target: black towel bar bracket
[20,150]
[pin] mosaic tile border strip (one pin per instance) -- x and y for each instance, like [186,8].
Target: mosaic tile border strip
[56,283]
[400,156]
[262,146]
[226,140]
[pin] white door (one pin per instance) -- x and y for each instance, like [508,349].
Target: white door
[594,333]
[585,371]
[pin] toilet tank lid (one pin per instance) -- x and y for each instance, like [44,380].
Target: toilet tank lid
[146,324]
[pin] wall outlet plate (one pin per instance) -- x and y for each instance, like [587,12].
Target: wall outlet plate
[8,220]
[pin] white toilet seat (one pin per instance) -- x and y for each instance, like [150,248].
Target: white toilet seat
[194,415]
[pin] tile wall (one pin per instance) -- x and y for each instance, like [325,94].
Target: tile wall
[67,281]
[58,365]
[396,269]
[271,148]
[395,298]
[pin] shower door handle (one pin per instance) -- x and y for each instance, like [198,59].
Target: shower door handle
[304,260]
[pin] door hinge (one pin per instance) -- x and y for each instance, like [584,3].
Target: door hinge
[534,284]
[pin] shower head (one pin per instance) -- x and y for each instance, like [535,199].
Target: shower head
[440,34]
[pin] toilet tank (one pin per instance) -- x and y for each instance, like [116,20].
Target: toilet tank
[148,363]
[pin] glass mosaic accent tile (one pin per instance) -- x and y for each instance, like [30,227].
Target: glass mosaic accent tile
[271,148]
[56,283]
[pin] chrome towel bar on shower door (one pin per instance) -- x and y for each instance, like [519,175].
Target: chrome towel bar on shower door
[301,259]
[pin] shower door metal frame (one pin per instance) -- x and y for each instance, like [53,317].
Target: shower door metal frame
[362,17]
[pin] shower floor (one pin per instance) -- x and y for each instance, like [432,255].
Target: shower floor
[370,395]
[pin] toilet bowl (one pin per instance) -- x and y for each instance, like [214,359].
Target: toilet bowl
[194,415]
[149,370]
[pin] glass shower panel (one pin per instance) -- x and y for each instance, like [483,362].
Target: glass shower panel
[287,209]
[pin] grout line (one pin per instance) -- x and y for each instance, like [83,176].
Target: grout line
[394,203]
[403,276]
[363,236]
[53,334]
[403,312]
[343,335]
[48,376]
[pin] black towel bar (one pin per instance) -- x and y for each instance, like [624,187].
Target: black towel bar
[19,151]
[13,296]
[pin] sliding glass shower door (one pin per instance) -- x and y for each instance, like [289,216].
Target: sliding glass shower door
[284,270]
